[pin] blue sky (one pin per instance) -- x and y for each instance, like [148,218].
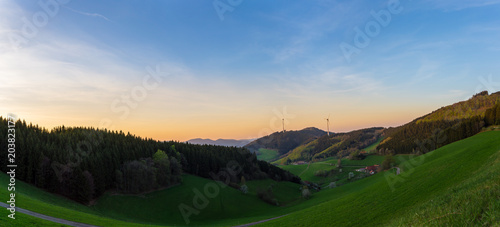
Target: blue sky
[226,78]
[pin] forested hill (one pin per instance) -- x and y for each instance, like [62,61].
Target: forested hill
[443,126]
[334,145]
[287,141]
[82,163]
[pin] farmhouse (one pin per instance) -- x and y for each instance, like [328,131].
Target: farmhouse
[299,163]
[371,169]
[361,170]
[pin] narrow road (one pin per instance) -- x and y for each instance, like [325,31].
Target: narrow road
[49,218]
[259,222]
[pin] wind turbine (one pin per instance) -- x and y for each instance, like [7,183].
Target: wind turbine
[283,123]
[328,125]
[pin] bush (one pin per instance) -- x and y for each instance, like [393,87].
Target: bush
[306,194]
[388,162]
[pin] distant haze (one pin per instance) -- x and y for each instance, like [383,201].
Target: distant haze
[220,142]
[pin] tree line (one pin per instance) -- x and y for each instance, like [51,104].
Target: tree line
[421,137]
[82,163]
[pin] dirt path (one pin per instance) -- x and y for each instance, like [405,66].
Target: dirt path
[259,222]
[305,169]
[45,217]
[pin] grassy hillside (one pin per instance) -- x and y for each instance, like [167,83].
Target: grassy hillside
[23,220]
[373,147]
[307,171]
[229,207]
[37,200]
[339,144]
[267,154]
[287,141]
[443,126]
[476,106]
[464,189]
[162,207]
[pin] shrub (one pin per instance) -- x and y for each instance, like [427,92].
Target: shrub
[306,194]
[388,162]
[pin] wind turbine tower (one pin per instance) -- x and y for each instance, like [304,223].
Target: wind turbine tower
[283,123]
[328,125]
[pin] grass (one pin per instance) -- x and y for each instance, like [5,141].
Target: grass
[371,148]
[306,172]
[162,207]
[267,154]
[368,161]
[454,185]
[229,207]
[37,200]
[23,220]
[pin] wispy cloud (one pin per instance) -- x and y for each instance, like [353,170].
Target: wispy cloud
[453,5]
[89,14]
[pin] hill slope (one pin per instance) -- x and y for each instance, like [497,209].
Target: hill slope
[82,163]
[464,190]
[287,141]
[338,144]
[443,126]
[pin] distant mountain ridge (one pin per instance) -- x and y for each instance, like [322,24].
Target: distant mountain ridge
[220,142]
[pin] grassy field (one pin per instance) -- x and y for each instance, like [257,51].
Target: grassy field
[371,148]
[455,185]
[228,207]
[23,220]
[368,161]
[34,199]
[162,207]
[267,154]
[306,172]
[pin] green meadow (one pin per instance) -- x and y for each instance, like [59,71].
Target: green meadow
[458,184]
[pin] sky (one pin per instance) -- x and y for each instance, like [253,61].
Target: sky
[177,69]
